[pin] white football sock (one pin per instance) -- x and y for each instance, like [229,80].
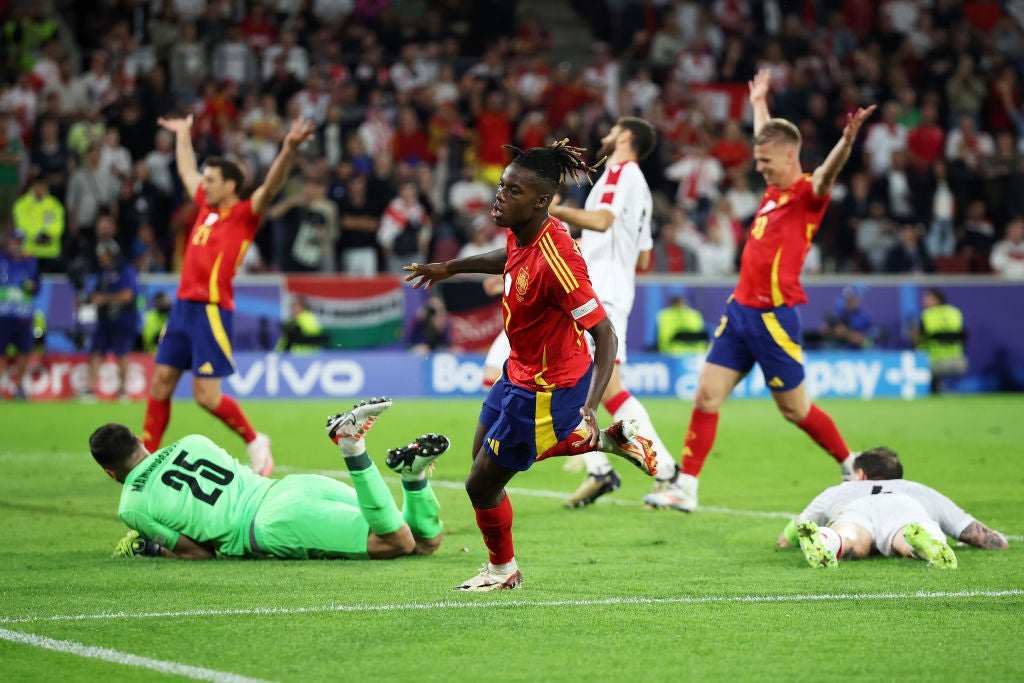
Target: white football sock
[831,540]
[633,409]
[597,463]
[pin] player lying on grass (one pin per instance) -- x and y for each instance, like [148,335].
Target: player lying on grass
[880,511]
[191,500]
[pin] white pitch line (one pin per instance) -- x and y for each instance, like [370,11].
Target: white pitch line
[450,604]
[117,657]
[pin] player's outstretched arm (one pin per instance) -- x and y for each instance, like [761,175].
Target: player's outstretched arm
[426,275]
[598,220]
[759,87]
[183,152]
[300,132]
[980,536]
[825,175]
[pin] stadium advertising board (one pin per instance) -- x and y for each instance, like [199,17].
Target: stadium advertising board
[863,375]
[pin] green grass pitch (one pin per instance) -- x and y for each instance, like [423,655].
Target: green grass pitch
[611,593]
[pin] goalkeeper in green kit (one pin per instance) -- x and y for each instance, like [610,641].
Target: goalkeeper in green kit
[191,500]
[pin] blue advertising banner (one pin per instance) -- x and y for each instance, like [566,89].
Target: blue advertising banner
[864,375]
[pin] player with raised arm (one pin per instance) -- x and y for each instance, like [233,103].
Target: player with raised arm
[879,510]
[533,411]
[198,333]
[616,240]
[191,500]
[761,323]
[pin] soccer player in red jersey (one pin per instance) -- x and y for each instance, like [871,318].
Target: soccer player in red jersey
[533,412]
[761,323]
[198,333]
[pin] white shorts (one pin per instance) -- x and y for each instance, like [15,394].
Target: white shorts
[499,352]
[884,515]
[619,320]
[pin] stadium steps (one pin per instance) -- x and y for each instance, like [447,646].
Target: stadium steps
[571,38]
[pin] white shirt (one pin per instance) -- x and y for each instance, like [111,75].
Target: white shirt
[881,140]
[1007,259]
[611,255]
[830,502]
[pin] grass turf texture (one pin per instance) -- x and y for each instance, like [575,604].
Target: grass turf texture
[663,593]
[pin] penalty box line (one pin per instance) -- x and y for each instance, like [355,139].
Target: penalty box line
[107,654]
[502,603]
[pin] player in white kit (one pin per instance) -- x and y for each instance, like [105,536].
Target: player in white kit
[879,510]
[616,240]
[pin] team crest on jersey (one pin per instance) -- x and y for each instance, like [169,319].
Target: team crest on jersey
[211,219]
[522,283]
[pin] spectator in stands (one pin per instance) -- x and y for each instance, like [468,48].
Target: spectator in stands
[92,189]
[39,216]
[189,63]
[310,233]
[977,235]
[883,138]
[359,220]
[941,237]
[909,254]
[925,142]
[875,236]
[1007,257]
[405,229]
[145,254]
[12,156]
[698,175]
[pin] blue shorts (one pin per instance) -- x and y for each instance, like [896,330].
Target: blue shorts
[526,423]
[17,331]
[112,337]
[198,338]
[769,336]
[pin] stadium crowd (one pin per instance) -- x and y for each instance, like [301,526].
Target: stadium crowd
[413,101]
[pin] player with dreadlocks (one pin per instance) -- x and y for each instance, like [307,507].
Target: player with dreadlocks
[549,382]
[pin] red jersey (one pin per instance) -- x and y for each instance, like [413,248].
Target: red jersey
[548,303]
[214,251]
[779,239]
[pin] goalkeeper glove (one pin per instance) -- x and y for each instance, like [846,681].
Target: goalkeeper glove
[135,544]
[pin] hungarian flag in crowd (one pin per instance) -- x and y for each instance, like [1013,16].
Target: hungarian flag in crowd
[356,313]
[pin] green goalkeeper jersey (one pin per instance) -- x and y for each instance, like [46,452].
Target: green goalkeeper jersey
[193,487]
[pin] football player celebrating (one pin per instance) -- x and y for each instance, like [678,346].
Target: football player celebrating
[533,411]
[198,333]
[761,323]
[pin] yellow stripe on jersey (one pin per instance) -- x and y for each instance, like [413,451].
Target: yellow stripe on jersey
[557,263]
[538,379]
[544,424]
[784,341]
[777,299]
[214,289]
[219,333]
[241,255]
[508,313]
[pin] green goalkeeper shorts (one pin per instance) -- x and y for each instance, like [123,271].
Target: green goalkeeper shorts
[307,516]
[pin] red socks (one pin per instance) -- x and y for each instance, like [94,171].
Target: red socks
[158,414]
[820,427]
[613,404]
[496,526]
[700,436]
[568,445]
[230,413]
